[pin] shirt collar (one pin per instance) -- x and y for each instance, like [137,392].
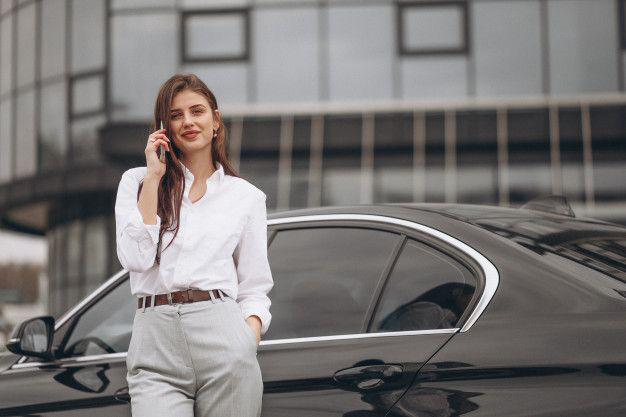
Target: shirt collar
[216,176]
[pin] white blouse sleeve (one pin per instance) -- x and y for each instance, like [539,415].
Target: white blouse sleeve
[253,269]
[136,241]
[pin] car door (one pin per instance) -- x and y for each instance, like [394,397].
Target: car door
[332,348]
[90,376]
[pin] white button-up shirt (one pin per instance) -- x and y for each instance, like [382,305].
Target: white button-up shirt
[221,242]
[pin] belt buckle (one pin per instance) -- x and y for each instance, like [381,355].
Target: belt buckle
[190,295]
[169,298]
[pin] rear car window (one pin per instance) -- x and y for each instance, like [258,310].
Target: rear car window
[599,246]
[427,289]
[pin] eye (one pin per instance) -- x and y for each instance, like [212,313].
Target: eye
[175,116]
[197,111]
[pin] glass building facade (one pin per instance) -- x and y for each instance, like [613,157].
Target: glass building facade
[326,102]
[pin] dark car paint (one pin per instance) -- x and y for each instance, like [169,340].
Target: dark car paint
[564,365]
[552,341]
[68,390]
[298,377]
[549,343]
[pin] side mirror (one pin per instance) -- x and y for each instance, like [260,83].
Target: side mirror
[33,337]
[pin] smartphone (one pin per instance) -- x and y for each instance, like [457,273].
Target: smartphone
[161,148]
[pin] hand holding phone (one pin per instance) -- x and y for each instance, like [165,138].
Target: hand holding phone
[157,144]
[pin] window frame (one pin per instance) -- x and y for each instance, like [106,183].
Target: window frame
[405,51]
[442,251]
[71,85]
[185,15]
[387,224]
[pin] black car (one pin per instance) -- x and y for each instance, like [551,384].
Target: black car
[386,310]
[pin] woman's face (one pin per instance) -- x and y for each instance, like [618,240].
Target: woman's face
[191,121]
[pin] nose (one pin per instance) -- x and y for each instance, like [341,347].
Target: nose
[187,120]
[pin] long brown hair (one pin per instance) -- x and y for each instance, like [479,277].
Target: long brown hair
[172,185]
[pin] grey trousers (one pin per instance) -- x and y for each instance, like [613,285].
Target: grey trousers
[196,359]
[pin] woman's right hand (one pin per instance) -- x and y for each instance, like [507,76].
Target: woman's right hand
[155,167]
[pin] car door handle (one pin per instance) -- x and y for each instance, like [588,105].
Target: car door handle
[368,376]
[122,395]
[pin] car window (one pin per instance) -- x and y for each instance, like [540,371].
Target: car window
[324,279]
[106,326]
[425,290]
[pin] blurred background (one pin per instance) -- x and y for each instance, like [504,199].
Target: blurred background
[327,102]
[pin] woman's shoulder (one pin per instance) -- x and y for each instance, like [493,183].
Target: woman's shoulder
[134,174]
[246,187]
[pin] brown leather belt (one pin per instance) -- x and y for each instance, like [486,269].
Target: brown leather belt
[185,296]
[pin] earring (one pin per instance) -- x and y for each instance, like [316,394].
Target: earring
[215,133]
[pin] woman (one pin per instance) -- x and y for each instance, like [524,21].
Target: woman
[193,235]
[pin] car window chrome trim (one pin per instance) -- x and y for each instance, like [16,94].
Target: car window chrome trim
[492,278]
[122,355]
[358,336]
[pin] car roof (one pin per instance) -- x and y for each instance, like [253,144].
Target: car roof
[596,243]
[466,213]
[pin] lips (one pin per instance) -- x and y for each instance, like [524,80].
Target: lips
[191,134]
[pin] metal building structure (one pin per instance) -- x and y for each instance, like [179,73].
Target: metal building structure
[325,102]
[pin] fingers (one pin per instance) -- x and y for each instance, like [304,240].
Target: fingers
[155,140]
[154,144]
[160,142]
[158,136]
[160,132]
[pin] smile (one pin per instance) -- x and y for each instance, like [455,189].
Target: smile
[191,135]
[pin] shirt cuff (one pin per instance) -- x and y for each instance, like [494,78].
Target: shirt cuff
[137,229]
[256,310]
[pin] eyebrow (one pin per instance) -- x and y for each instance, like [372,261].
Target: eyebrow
[191,107]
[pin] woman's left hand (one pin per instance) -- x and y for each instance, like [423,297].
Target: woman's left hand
[254,322]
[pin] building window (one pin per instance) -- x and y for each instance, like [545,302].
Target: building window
[53,38]
[53,125]
[622,23]
[433,28]
[6,55]
[215,35]
[88,35]
[26,45]
[87,94]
